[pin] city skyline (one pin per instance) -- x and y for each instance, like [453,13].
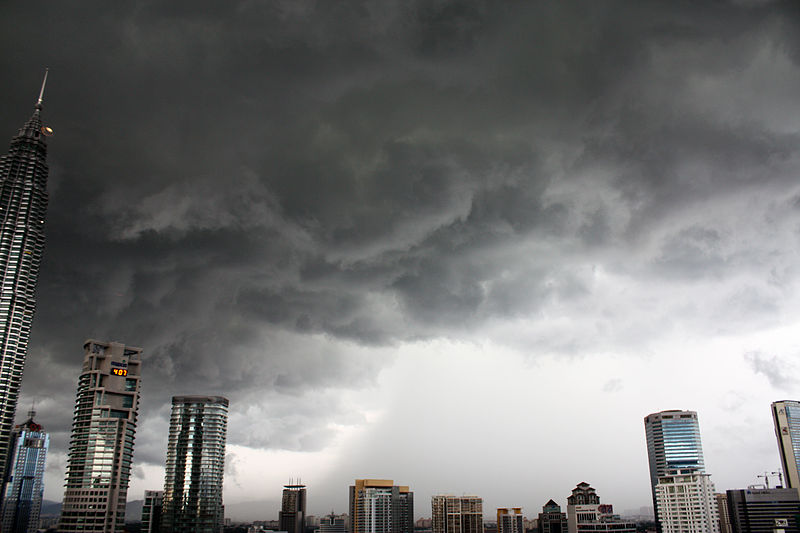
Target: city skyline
[384,230]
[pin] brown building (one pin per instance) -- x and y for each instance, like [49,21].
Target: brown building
[456,514]
[380,506]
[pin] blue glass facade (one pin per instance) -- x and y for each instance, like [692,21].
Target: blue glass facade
[673,443]
[24,486]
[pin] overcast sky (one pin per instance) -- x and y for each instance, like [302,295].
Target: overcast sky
[464,245]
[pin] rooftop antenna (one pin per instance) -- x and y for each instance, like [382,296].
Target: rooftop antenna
[41,93]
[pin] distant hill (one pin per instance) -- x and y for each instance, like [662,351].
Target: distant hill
[133,512]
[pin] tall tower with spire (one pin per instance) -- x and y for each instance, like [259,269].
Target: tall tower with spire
[23,204]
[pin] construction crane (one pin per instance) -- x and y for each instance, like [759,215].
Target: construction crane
[766,475]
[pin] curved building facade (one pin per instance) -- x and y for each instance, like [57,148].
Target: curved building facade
[195,465]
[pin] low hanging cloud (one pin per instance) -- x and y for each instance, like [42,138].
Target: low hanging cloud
[268,198]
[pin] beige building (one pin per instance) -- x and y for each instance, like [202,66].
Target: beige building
[686,503]
[510,520]
[456,514]
[786,415]
[380,506]
[101,445]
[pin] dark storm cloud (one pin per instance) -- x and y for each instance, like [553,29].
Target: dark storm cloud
[254,192]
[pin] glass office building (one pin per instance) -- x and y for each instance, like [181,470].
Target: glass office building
[673,444]
[25,482]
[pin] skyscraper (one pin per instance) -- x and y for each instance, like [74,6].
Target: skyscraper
[24,483]
[786,415]
[456,514]
[23,204]
[293,509]
[101,444]
[195,465]
[673,443]
[380,506]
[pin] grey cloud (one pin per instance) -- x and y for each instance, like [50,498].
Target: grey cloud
[266,196]
[778,371]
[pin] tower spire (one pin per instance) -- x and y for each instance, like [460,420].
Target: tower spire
[41,93]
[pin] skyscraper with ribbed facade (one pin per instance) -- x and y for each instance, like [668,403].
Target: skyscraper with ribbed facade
[22,501]
[195,465]
[23,204]
[292,516]
[101,444]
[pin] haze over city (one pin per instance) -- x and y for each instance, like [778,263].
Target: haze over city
[466,246]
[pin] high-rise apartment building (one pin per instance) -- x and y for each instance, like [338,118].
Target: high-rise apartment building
[101,444]
[22,499]
[23,205]
[786,415]
[673,443]
[510,520]
[151,511]
[293,509]
[551,519]
[585,513]
[764,510]
[195,465]
[686,502]
[456,514]
[380,506]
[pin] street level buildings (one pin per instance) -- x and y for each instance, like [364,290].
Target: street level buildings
[195,465]
[22,499]
[551,519]
[101,443]
[585,513]
[380,506]
[293,509]
[151,511]
[686,503]
[786,415]
[23,205]
[764,510]
[456,514]
[510,520]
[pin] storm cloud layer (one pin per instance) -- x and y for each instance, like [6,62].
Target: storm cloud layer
[268,197]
